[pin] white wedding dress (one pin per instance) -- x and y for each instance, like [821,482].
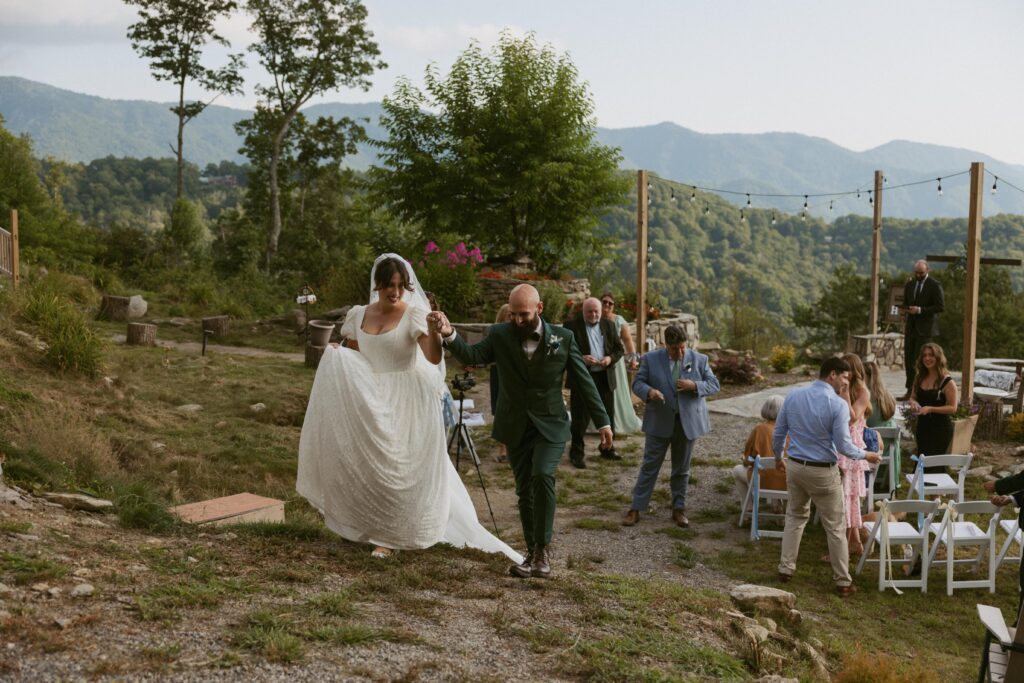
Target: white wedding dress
[373,457]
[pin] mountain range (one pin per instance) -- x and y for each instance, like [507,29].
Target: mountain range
[79,128]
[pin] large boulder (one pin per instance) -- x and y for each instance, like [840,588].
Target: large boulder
[764,600]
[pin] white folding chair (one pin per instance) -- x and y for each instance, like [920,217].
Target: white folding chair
[954,531]
[890,437]
[1002,658]
[887,534]
[940,483]
[755,494]
[1011,527]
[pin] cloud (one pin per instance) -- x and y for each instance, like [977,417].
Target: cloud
[434,39]
[57,22]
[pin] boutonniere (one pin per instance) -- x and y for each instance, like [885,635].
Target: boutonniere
[554,343]
[688,367]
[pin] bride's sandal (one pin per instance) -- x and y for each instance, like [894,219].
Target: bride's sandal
[382,553]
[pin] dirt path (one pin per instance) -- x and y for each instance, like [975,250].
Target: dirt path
[196,347]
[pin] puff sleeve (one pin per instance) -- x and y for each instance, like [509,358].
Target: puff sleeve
[352,321]
[417,323]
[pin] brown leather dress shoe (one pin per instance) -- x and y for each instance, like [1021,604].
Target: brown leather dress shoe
[679,518]
[541,567]
[523,569]
[631,518]
[845,591]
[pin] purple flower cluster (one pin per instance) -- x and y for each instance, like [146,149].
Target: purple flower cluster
[460,256]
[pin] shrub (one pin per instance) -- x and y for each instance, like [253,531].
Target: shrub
[783,358]
[72,345]
[554,301]
[736,370]
[451,275]
[1015,427]
[139,508]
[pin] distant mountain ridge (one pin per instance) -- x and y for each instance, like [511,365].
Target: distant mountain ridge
[77,127]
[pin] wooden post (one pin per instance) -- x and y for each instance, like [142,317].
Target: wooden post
[876,252]
[313,355]
[217,324]
[141,334]
[641,261]
[971,285]
[114,307]
[16,271]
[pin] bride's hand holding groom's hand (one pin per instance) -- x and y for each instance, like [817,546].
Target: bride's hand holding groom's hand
[437,322]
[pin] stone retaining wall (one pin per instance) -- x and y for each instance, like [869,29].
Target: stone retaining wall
[474,332]
[494,292]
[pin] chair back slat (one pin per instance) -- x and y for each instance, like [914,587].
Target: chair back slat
[974,507]
[923,507]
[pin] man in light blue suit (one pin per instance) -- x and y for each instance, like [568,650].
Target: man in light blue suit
[673,381]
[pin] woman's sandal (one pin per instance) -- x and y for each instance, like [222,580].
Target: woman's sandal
[382,553]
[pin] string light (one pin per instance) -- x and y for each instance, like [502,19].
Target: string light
[743,217]
[707,210]
[773,218]
[803,215]
[830,207]
[940,185]
[748,200]
[994,183]
[805,203]
[693,195]
[858,193]
[649,186]
[673,198]
[871,200]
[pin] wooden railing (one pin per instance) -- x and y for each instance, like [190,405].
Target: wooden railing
[9,250]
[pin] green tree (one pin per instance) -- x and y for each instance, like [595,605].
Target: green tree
[308,47]
[171,34]
[841,310]
[184,233]
[508,159]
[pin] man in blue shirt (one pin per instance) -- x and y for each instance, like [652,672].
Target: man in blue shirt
[817,420]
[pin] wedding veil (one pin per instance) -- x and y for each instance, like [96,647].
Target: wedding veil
[416,298]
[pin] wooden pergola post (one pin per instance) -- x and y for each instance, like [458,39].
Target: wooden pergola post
[971,285]
[641,261]
[876,252]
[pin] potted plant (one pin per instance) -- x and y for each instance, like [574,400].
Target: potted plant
[965,419]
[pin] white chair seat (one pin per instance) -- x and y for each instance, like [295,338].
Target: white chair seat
[899,532]
[963,532]
[932,481]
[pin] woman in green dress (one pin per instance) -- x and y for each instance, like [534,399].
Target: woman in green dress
[626,421]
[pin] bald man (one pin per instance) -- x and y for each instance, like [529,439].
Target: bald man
[531,356]
[923,300]
[602,348]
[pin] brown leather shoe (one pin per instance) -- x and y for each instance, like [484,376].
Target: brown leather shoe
[679,517]
[631,518]
[845,591]
[785,578]
[523,569]
[541,567]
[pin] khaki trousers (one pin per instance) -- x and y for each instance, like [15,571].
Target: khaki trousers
[824,486]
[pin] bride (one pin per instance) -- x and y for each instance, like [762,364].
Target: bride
[372,455]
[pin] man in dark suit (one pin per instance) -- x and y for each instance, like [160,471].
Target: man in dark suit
[601,349]
[923,300]
[531,355]
[1006,491]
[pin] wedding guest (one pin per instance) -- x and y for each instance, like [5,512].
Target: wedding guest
[854,469]
[760,443]
[372,453]
[883,411]
[626,421]
[933,399]
[503,316]
[602,350]
[1010,490]
[673,381]
[817,422]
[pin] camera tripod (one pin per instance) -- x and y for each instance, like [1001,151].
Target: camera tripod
[460,435]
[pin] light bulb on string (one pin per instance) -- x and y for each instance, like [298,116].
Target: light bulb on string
[830,207]
[884,180]
[673,197]
[707,210]
[743,216]
[649,249]
[748,200]
[803,215]
[693,194]
[805,203]
[994,185]
[649,187]
[871,200]
[773,218]
[858,193]
[939,180]
[648,263]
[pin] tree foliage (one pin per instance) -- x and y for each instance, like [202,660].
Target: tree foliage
[171,34]
[509,159]
[841,310]
[308,47]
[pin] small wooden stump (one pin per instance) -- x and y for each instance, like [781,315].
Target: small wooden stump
[217,324]
[114,307]
[141,334]
[237,509]
[313,355]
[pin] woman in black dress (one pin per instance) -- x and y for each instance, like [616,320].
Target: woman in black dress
[933,399]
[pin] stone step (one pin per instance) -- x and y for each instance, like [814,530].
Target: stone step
[240,508]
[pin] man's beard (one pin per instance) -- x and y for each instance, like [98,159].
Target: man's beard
[525,329]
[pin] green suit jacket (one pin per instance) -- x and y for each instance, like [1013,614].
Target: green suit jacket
[530,390]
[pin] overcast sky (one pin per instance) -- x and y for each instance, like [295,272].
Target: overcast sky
[858,73]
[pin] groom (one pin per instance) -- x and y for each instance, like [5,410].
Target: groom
[531,356]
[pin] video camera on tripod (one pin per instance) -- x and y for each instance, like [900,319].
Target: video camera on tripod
[464,382]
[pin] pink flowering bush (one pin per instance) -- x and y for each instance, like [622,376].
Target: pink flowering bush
[450,273]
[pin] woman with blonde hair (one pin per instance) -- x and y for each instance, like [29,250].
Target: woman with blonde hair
[858,396]
[883,410]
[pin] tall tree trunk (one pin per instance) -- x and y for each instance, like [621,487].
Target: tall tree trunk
[275,192]
[181,131]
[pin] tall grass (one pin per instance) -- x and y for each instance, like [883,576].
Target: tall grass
[72,346]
